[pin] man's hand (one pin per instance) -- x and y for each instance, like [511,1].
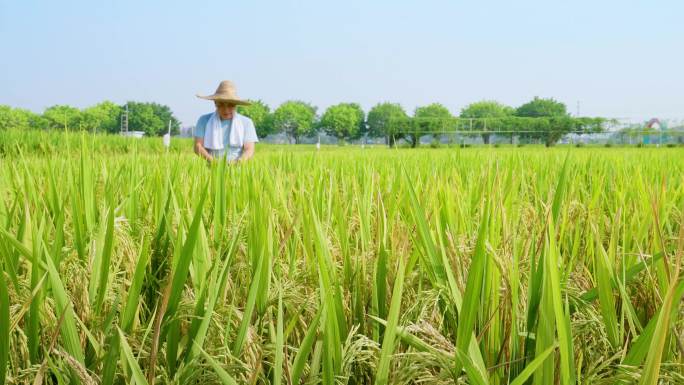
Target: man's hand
[247,152]
[201,151]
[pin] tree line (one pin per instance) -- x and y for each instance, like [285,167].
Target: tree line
[543,119]
[105,117]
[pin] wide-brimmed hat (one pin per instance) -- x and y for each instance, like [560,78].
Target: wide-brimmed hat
[226,92]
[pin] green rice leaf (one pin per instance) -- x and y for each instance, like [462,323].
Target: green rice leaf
[279,343]
[226,379]
[4,328]
[388,341]
[136,373]
[532,366]
[304,350]
[69,333]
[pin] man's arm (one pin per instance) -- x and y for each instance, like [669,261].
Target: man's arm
[247,151]
[200,150]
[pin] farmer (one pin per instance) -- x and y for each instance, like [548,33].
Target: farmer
[225,132]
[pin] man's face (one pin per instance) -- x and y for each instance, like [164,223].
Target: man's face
[225,109]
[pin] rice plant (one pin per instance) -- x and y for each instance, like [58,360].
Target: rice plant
[125,263]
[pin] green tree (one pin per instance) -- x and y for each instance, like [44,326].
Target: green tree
[429,119]
[152,118]
[551,123]
[589,125]
[388,120]
[102,117]
[141,117]
[295,118]
[489,114]
[539,107]
[166,115]
[344,120]
[62,116]
[260,114]
[37,121]
[360,117]
[15,118]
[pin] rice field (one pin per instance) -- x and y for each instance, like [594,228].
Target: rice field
[342,266]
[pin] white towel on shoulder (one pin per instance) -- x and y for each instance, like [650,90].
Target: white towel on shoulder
[213,134]
[237,131]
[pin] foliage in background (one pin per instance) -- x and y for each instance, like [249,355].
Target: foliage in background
[102,117]
[295,118]
[431,118]
[486,109]
[63,117]
[19,118]
[261,115]
[554,120]
[344,121]
[541,107]
[151,118]
[388,120]
[539,119]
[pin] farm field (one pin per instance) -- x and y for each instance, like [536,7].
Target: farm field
[341,266]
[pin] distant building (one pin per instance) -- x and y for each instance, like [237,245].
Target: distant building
[654,124]
[186,132]
[133,134]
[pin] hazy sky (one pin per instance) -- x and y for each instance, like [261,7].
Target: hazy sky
[617,58]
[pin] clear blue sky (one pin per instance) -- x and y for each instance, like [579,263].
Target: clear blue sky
[618,58]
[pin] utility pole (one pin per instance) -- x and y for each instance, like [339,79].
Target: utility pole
[124,120]
[578,108]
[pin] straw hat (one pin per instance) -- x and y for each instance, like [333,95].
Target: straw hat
[226,92]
